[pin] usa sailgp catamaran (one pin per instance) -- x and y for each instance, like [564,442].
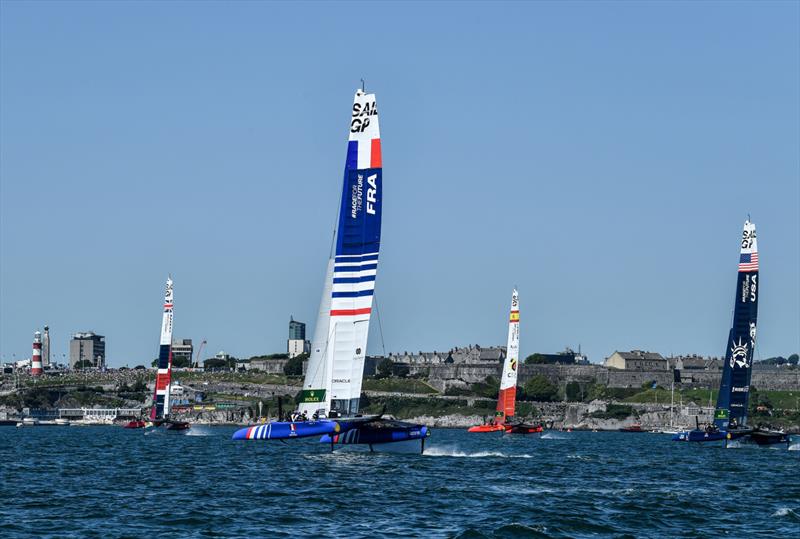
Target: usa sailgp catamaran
[329,400]
[506,401]
[730,414]
[160,413]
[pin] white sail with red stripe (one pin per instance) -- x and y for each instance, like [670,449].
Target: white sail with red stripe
[508,379]
[161,404]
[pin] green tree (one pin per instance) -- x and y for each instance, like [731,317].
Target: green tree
[490,387]
[181,362]
[294,367]
[535,359]
[214,363]
[793,359]
[539,388]
[84,364]
[574,392]
[384,368]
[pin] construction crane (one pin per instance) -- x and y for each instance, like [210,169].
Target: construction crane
[199,351]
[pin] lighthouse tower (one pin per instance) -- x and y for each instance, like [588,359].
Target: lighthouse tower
[36,359]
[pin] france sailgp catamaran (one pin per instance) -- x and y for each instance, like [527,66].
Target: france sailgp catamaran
[504,420]
[160,413]
[329,400]
[730,414]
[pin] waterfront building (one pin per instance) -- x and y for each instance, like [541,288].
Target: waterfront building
[695,362]
[637,360]
[87,346]
[472,354]
[182,348]
[567,357]
[297,343]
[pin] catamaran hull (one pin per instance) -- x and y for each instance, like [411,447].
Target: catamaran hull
[487,428]
[767,437]
[378,435]
[282,430]
[700,436]
[522,428]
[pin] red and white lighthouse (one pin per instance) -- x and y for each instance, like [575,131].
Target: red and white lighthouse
[36,359]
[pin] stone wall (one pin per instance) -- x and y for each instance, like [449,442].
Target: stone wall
[448,375]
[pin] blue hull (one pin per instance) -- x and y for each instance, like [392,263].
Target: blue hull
[700,436]
[282,430]
[378,435]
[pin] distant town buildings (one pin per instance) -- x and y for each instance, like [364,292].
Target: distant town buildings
[695,362]
[297,343]
[567,357]
[469,354]
[87,347]
[182,349]
[637,360]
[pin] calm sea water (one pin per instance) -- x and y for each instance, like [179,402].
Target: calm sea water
[110,482]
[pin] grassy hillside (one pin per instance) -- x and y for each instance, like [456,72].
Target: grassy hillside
[398,385]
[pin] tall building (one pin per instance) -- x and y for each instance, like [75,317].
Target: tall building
[182,348]
[88,347]
[46,347]
[297,343]
[297,330]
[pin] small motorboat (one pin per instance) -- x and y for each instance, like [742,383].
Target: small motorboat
[633,428]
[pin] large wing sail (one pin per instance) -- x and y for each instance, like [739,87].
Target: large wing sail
[161,403]
[508,379]
[314,396]
[735,386]
[356,260]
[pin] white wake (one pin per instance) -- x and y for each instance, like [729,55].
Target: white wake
[453,452]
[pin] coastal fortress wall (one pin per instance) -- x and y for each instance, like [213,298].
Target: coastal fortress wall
[443,376]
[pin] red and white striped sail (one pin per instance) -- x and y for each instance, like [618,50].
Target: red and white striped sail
[508,380]
[161,404]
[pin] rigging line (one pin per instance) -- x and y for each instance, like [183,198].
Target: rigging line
[380,326]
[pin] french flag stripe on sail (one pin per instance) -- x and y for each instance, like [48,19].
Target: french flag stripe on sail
[368,154]
[375,154]
[352,154]
[748,262]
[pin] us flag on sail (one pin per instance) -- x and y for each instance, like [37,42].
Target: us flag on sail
[748,262]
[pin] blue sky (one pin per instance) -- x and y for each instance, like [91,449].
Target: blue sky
[600,156]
